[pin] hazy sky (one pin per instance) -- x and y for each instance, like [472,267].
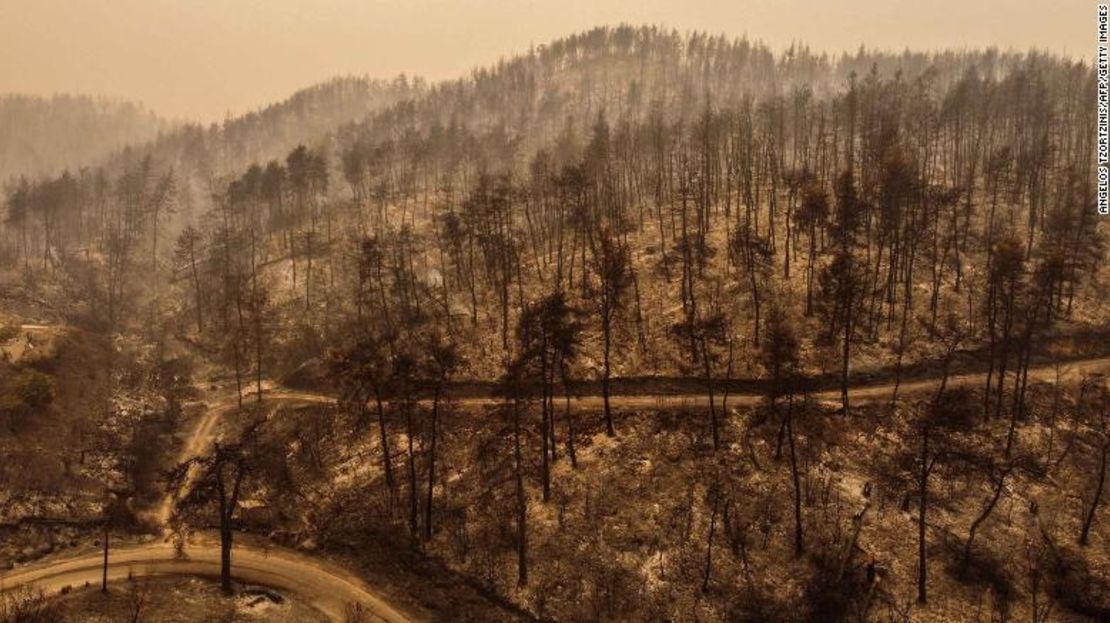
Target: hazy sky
[201,59]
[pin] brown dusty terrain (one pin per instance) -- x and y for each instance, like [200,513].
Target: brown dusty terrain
[331,589]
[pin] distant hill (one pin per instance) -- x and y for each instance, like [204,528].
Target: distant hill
[307,116]
[43,135]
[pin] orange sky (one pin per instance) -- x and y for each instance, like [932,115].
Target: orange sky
[202,59]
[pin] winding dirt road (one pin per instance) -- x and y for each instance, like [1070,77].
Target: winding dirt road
[327,588]
[332,589]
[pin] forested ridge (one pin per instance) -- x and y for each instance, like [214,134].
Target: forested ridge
[43,136]
[639,203]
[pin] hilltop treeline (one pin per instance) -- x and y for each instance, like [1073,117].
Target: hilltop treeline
[715,166]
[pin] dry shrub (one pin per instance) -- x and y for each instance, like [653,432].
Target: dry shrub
[1075,586]
[753,606]
[27,606]
[837,589]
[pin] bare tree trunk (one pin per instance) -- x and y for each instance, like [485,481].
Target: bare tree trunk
[605,380]
[225,551]
[570,420]
[965,559]
[1084,535]
[196,286]
[104,571]
[799,544]
[709,389]
[431,466]
[846,357]
[708,573]
[922,571]
[413,503]
[546,441]
[521,502]
[387,459]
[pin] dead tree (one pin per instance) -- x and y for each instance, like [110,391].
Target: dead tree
[218,479]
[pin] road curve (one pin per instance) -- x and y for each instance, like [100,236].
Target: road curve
[324,586]
[328,588]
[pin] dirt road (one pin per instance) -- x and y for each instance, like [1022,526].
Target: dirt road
[322,585]
[858,394]
[326,587]
[198,442]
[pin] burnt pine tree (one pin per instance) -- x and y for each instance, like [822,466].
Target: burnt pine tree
[949,411]
[842,280]
[780,353]
[1096,408]
[611,265]
[187,254]
[364,370]
[441,361]
[217,478]
[515,391]
[547,336]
